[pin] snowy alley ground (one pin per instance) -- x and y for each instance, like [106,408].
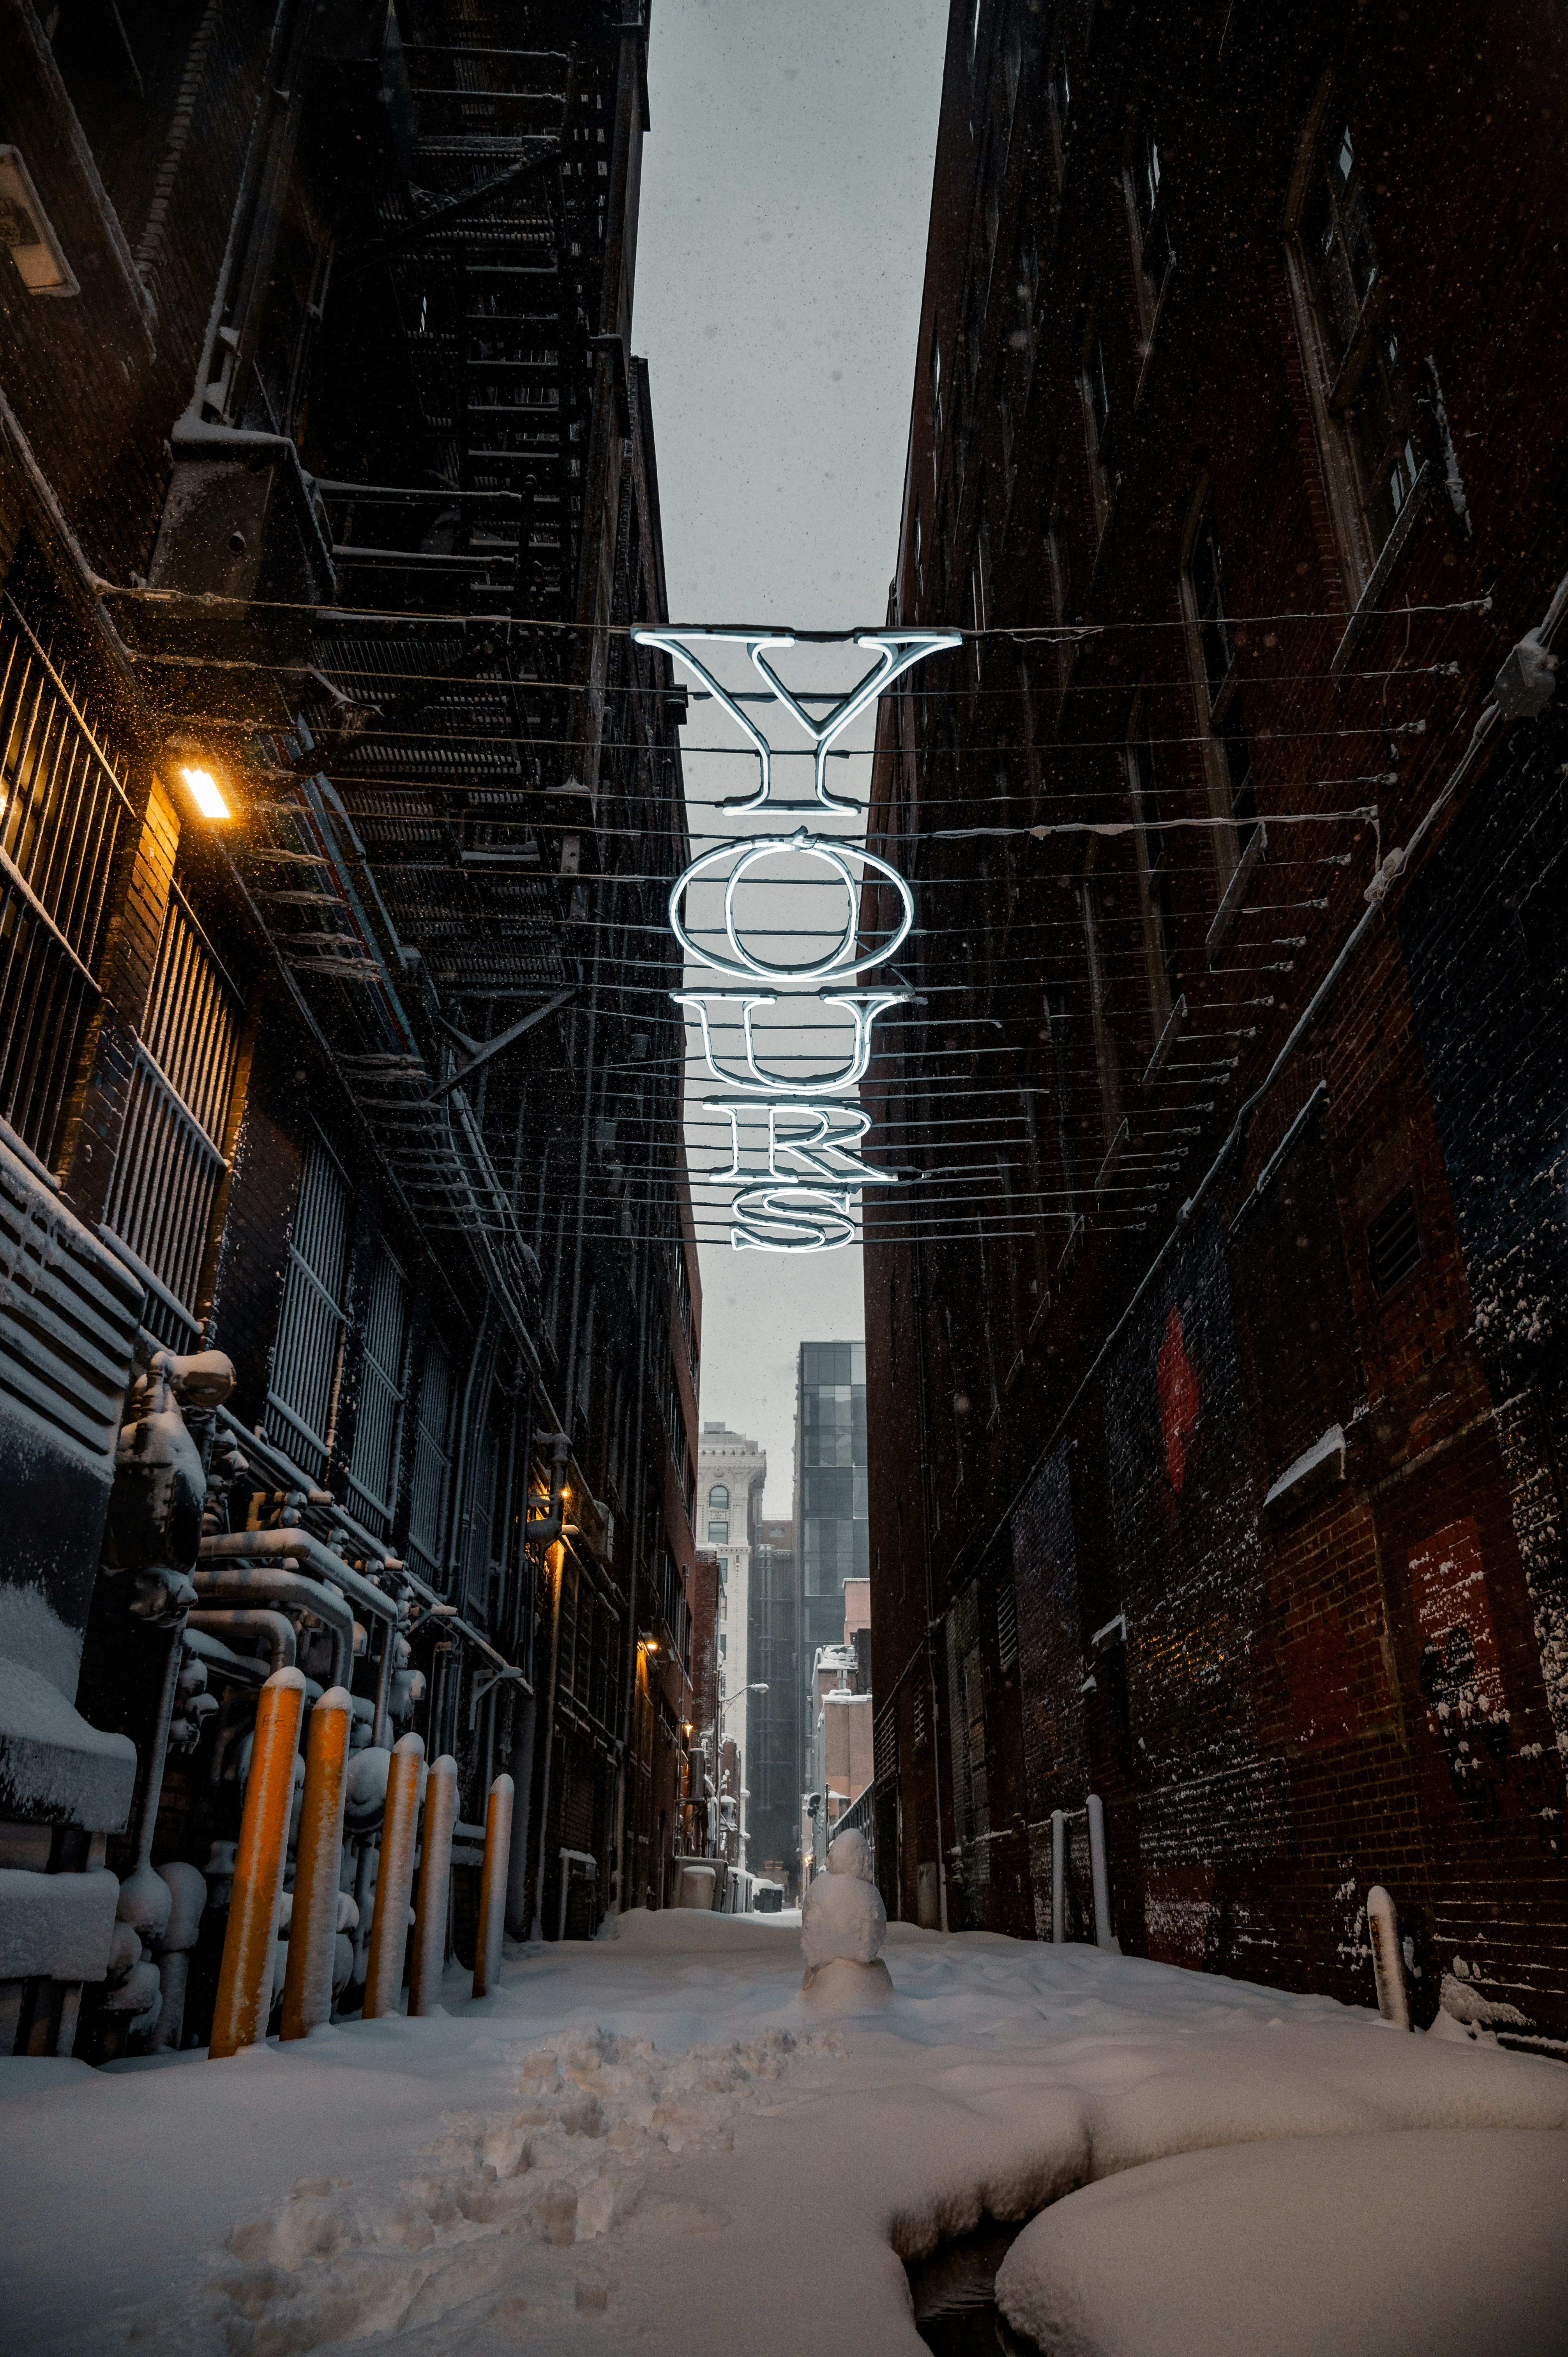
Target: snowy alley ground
[649,2143]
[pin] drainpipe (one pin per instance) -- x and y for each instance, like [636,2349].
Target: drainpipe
[617,1899]
[558,1559]
[932,1623]
[539,1530]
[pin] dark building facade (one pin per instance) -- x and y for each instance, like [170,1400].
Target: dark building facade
[1215,1380]
[341,1161]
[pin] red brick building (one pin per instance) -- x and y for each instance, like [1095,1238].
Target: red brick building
[1217,1373]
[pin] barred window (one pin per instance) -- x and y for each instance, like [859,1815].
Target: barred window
[378,1422]
[63,809]
[431,1463]
[170,1161]
[302,1400]
[1361,395]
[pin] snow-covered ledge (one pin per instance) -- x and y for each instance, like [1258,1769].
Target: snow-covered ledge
[1318,1470]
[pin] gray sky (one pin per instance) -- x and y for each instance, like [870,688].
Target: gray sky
[785,197]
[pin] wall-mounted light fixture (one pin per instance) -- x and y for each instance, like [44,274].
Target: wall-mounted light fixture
[24,229]
[205,793]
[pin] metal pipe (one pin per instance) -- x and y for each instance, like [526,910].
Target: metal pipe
[312,1925]
[1058,1877]
[429,1959]
[275,1630]
[492,1887]
[243,1584]
[157,1755]
[1388,1957]
[383,1681]
[389,1932]
[245,1978]
[272,1546]
[1100,1874]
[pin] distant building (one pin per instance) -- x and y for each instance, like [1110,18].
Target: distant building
[841,1748]
[775,1763]
[832,1532]
[731,1471]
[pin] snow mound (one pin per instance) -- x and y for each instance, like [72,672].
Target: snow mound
[1417,2244]
[686,1931]
[841,1987]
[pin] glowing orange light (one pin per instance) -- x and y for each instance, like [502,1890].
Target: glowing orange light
[205,793]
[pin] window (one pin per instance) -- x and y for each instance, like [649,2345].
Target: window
[1155,846]
[718,1531]
[1394,1241]
[1061,95]
[302,1399]
[170,1159]
[59,822]
[1229,752]
[1361,395]
[372,1469]
[1102,428]
[432,1462]
[1152,252]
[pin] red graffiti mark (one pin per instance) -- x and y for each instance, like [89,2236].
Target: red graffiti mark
[1178,1398]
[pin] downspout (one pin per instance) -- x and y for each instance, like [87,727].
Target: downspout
[539,1530]
[932,1622]
[536,1925]
[618,1896]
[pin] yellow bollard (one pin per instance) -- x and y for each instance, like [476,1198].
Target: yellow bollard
[492,1887]
[313,1927]
[394,1881]
[434,1875]
[245,1979]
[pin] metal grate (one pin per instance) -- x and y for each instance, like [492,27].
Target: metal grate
[1394,1241]
[68,1314]
[431,1463]
[378,1422]
[171,1152]
[59,822]
[302,1400]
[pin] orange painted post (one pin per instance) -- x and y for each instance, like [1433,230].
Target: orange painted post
[394,1882]
[245,1978]
[492,1887]
[313,1926]
[429,1959]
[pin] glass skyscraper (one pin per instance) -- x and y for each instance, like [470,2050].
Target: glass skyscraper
[834,1541]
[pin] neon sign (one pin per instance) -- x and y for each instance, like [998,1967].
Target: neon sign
[800,1196]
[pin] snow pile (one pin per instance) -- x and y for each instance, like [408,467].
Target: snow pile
[640,2138]
[1413,2244]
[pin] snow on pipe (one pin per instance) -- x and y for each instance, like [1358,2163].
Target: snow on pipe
[245,1979]
[312,1925]
[434,1880]
[171,1949]
[394,1880]
[279,1585]
[492,1887]
[1058,1877]
[1104,1937]
[1388,1957]
[273,1547]
[275,1630]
